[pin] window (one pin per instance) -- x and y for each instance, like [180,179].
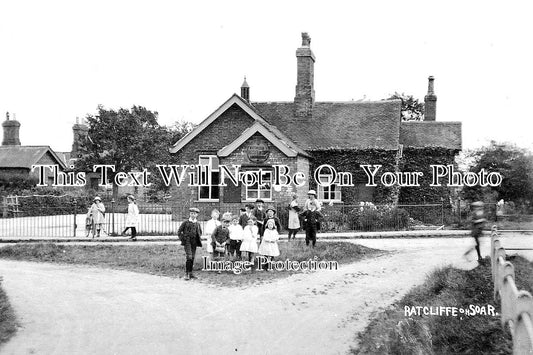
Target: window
[263,190]
[328,193]
[210,176]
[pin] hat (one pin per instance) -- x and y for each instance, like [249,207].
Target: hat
[226,216]
[477,204]
[194,209]
[259,200]
[131,196]
[270,208]
[312,192]
[97,198]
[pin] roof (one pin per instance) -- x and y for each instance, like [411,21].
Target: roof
[337,125]
[17,156]
[425,134]
[235,99]
[258,127]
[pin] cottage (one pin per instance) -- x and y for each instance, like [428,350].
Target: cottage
[16,160]
[304,134]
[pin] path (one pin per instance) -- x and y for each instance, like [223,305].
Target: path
[82,310]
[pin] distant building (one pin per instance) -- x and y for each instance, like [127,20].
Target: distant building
[16,160]
[304,134]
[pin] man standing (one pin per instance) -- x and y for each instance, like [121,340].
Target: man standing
[189,233]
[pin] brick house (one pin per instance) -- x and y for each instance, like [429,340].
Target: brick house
[304,134]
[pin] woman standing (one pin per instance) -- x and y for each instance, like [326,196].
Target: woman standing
[132,219]
[294,219]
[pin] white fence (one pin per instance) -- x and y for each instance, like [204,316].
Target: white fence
[516,306]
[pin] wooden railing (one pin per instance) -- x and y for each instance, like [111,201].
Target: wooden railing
[516,306]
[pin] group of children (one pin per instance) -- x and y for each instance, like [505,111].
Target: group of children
[254,231]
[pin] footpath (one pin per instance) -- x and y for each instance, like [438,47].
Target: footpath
[301,235]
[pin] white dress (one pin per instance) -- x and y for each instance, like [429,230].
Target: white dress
[269,245]
[132,219]
[294,220]
[210,227]
[249,241]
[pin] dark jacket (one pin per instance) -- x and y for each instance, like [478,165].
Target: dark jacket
[220,235]
[276,221]
[311,219]
[190,232]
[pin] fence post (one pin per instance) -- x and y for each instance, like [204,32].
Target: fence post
[442,210]
[75,213]
[459,211]
[113,217]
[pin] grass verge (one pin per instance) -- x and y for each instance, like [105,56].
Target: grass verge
[395,332]
[8,323]
[169,259]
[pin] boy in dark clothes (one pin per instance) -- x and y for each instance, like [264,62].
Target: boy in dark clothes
[259,214]
[311,220]
[244,217]
[189,233]
[220,236]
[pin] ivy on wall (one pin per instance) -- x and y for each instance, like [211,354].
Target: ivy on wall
[412,160]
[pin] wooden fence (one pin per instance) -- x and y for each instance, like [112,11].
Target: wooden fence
[516,306]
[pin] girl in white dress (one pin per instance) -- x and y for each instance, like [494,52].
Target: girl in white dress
[269,244]
[249,240]
[210,227]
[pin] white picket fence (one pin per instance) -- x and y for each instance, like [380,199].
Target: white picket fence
[516,306]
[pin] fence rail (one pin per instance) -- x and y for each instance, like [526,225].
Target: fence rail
[516,306]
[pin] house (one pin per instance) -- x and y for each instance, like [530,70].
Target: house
[304,134]
[16,160]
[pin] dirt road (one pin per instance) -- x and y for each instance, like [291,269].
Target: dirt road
[81,310]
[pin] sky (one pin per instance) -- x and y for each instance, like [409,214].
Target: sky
[61,59]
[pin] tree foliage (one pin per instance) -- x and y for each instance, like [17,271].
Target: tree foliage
[513,163]
[412,109]
[129,139]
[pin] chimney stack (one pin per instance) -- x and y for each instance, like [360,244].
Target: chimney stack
[80,130]
[305,92]
[245,90]
[430,102]
[11,131]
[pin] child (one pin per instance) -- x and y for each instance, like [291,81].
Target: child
[269,244]
[220,236]
[478,219]
[235,236]
[294,218]
[311,220]
[210,227]
[249,239]
[189,233]
[88,223]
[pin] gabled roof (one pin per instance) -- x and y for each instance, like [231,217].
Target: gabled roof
[258,127]
[235,99]
[426,134]
[17,156]
[338,125]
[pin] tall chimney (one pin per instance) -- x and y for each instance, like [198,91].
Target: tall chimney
[11,131]
[430,102]
[80,130]
[245,90]
[305,92]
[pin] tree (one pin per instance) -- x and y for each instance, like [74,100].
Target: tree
[412,109]
[513,163]
[128,139]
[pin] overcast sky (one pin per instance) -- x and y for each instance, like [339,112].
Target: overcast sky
[61,59]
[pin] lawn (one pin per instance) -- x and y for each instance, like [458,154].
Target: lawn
[169,259]
[8,324]
[396,332]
